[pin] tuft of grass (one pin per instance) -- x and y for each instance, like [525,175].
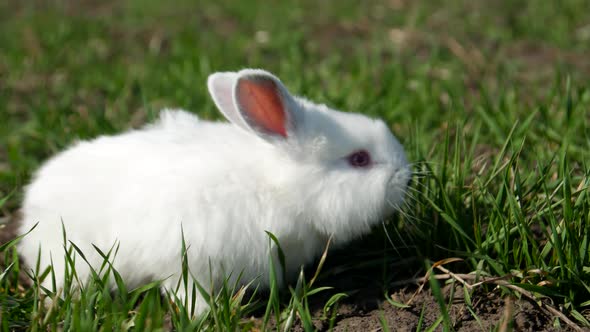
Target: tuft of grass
[104,301]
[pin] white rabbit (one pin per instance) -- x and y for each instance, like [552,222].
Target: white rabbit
[299,170]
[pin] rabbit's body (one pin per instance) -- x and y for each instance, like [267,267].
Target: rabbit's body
[222,185]
[136,180]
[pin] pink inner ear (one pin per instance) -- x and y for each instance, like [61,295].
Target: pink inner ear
[260,101]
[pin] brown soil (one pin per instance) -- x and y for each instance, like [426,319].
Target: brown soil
[489,311]
[487,307]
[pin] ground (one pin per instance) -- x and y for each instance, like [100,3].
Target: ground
[410,307]
[490,309]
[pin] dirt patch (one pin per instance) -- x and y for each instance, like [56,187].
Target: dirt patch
[388,296]
[488,311]
[379,300]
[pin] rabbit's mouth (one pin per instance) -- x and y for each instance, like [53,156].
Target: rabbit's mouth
[396,189]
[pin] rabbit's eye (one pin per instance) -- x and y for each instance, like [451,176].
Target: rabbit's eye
[359,159]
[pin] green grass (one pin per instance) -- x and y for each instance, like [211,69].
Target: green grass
[491,101]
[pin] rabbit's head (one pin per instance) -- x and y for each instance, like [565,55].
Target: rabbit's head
[346,171]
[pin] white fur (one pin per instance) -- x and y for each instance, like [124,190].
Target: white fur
[225,187]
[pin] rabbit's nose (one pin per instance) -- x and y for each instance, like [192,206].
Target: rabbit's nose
[402,174]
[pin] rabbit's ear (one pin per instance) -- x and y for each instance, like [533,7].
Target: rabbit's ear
[221,87]
[265,105]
